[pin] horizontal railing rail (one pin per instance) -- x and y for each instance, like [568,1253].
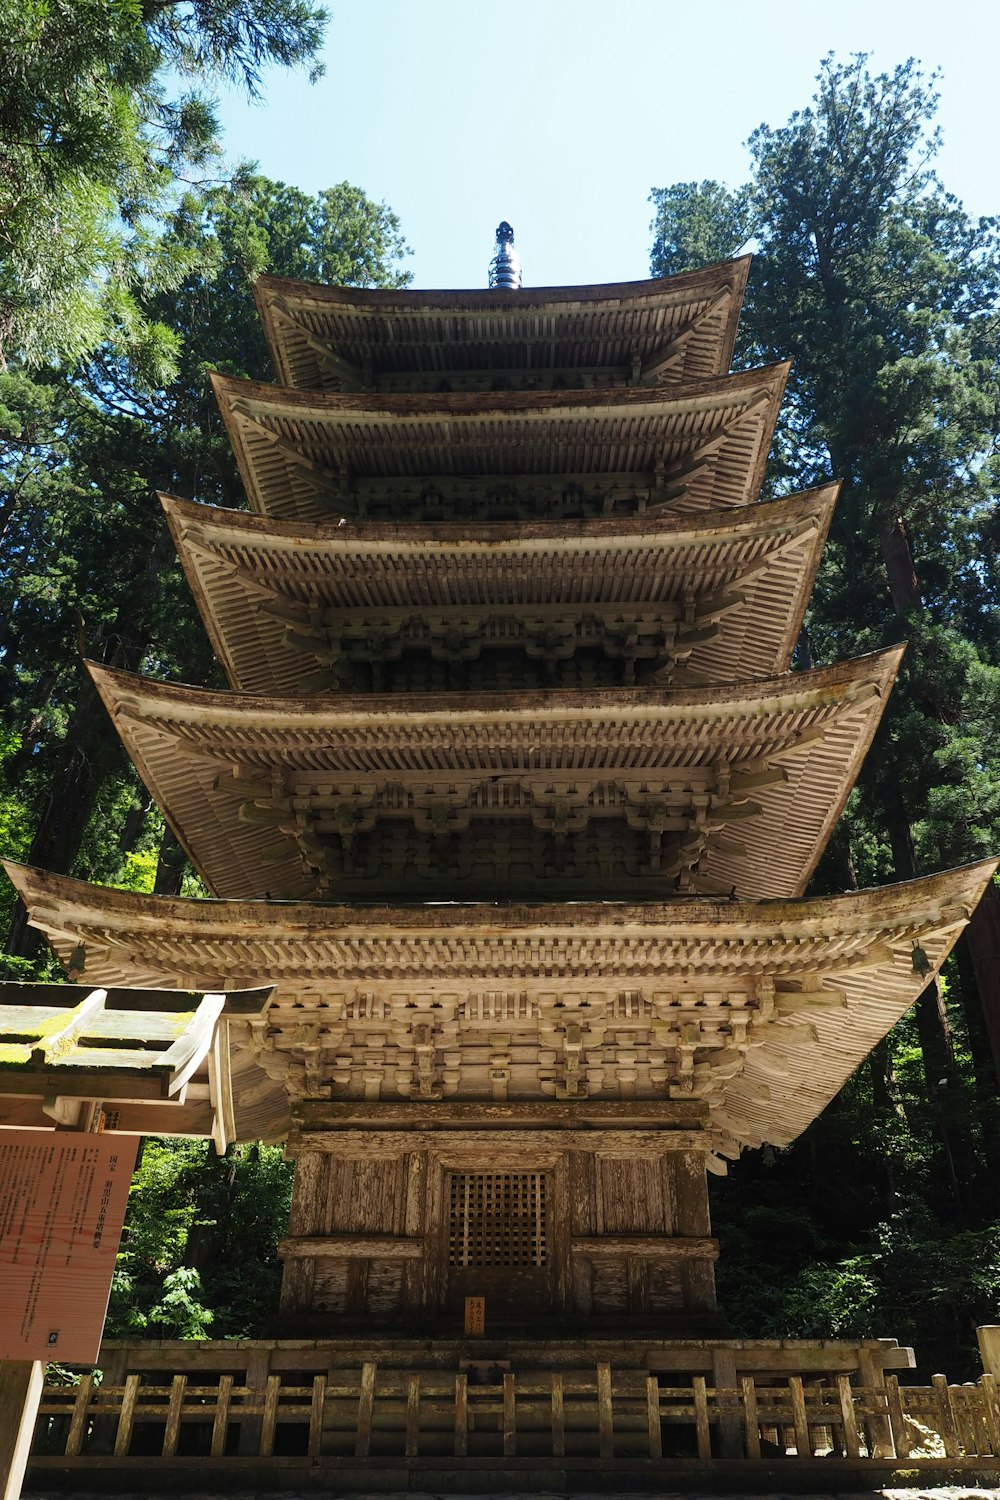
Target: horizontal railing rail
[374,1411]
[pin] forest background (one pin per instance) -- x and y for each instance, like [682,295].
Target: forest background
[127,255]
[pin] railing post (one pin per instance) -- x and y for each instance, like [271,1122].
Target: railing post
[991,1410]
[945,1415]
[702,1432]
[751,1419]
[872,1377]
[366,1406]
[509,1418]
[172,1430]
[412,1439]
[461,1415]
[897,1421]
[220,1426]
[653,1417]
[316,1416]
[848,1419]
[558,1418]
[726,1393]
[605,1418]
[130,1394]
[78,1421]
[803,1442]
[255,1381]
[989,1348]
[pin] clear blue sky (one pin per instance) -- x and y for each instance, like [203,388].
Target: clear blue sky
[560,115]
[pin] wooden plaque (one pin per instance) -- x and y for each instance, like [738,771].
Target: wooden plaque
[475,1317]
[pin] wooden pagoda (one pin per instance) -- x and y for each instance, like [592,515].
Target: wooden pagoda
[514,800]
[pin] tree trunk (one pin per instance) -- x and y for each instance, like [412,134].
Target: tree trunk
[981,941]
[80,763]
[894,545]
[944,1088]
[170,866]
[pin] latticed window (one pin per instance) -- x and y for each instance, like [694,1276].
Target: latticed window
[496,1219]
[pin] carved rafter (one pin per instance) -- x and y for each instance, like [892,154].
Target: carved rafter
[691,447]
[659,364]
[755,1013]
[653,640]
[678,820]
[601,602]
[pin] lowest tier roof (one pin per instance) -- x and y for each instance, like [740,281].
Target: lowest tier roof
[309,457]
[761,1010]
[330,337]
[494,795]
[710,598]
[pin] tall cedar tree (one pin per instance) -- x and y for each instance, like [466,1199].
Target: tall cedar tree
[93,138]
[887,296]
[88,569]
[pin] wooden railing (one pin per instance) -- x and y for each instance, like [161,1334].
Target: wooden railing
[604,1413]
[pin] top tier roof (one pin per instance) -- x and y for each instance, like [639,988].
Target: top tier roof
[641,332]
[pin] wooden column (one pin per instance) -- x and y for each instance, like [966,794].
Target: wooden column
[21,1382]
[692,1219]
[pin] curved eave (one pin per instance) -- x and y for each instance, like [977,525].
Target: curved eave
[321,336]
[237,565]
[858,946]
[201,754]
[300,453]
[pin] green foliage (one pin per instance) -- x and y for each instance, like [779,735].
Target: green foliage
[885,1217]
[199,1251]
[91,147]
[695,224]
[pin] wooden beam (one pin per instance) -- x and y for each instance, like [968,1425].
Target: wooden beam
[352,1246]
[649,1247]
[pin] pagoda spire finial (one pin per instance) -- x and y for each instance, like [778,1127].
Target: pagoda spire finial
[505,267]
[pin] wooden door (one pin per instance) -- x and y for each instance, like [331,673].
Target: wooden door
[499,1241]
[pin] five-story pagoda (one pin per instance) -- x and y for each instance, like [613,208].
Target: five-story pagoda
[513,798]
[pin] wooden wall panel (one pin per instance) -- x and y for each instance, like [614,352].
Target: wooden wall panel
[366,1196]
[329,1285]
[610,1286]
[310,1192]
[385,1286]
[666,1291]
[631,1196]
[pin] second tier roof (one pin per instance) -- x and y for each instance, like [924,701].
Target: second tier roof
[559,794]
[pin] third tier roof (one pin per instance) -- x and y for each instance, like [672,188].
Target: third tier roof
[675,601]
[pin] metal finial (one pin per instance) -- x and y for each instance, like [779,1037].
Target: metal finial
[505,267]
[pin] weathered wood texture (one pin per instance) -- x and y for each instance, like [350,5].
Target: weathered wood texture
[373,1410]
[483,607]
[621,1230]
[518,456]
[759,1011]
[624,333]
